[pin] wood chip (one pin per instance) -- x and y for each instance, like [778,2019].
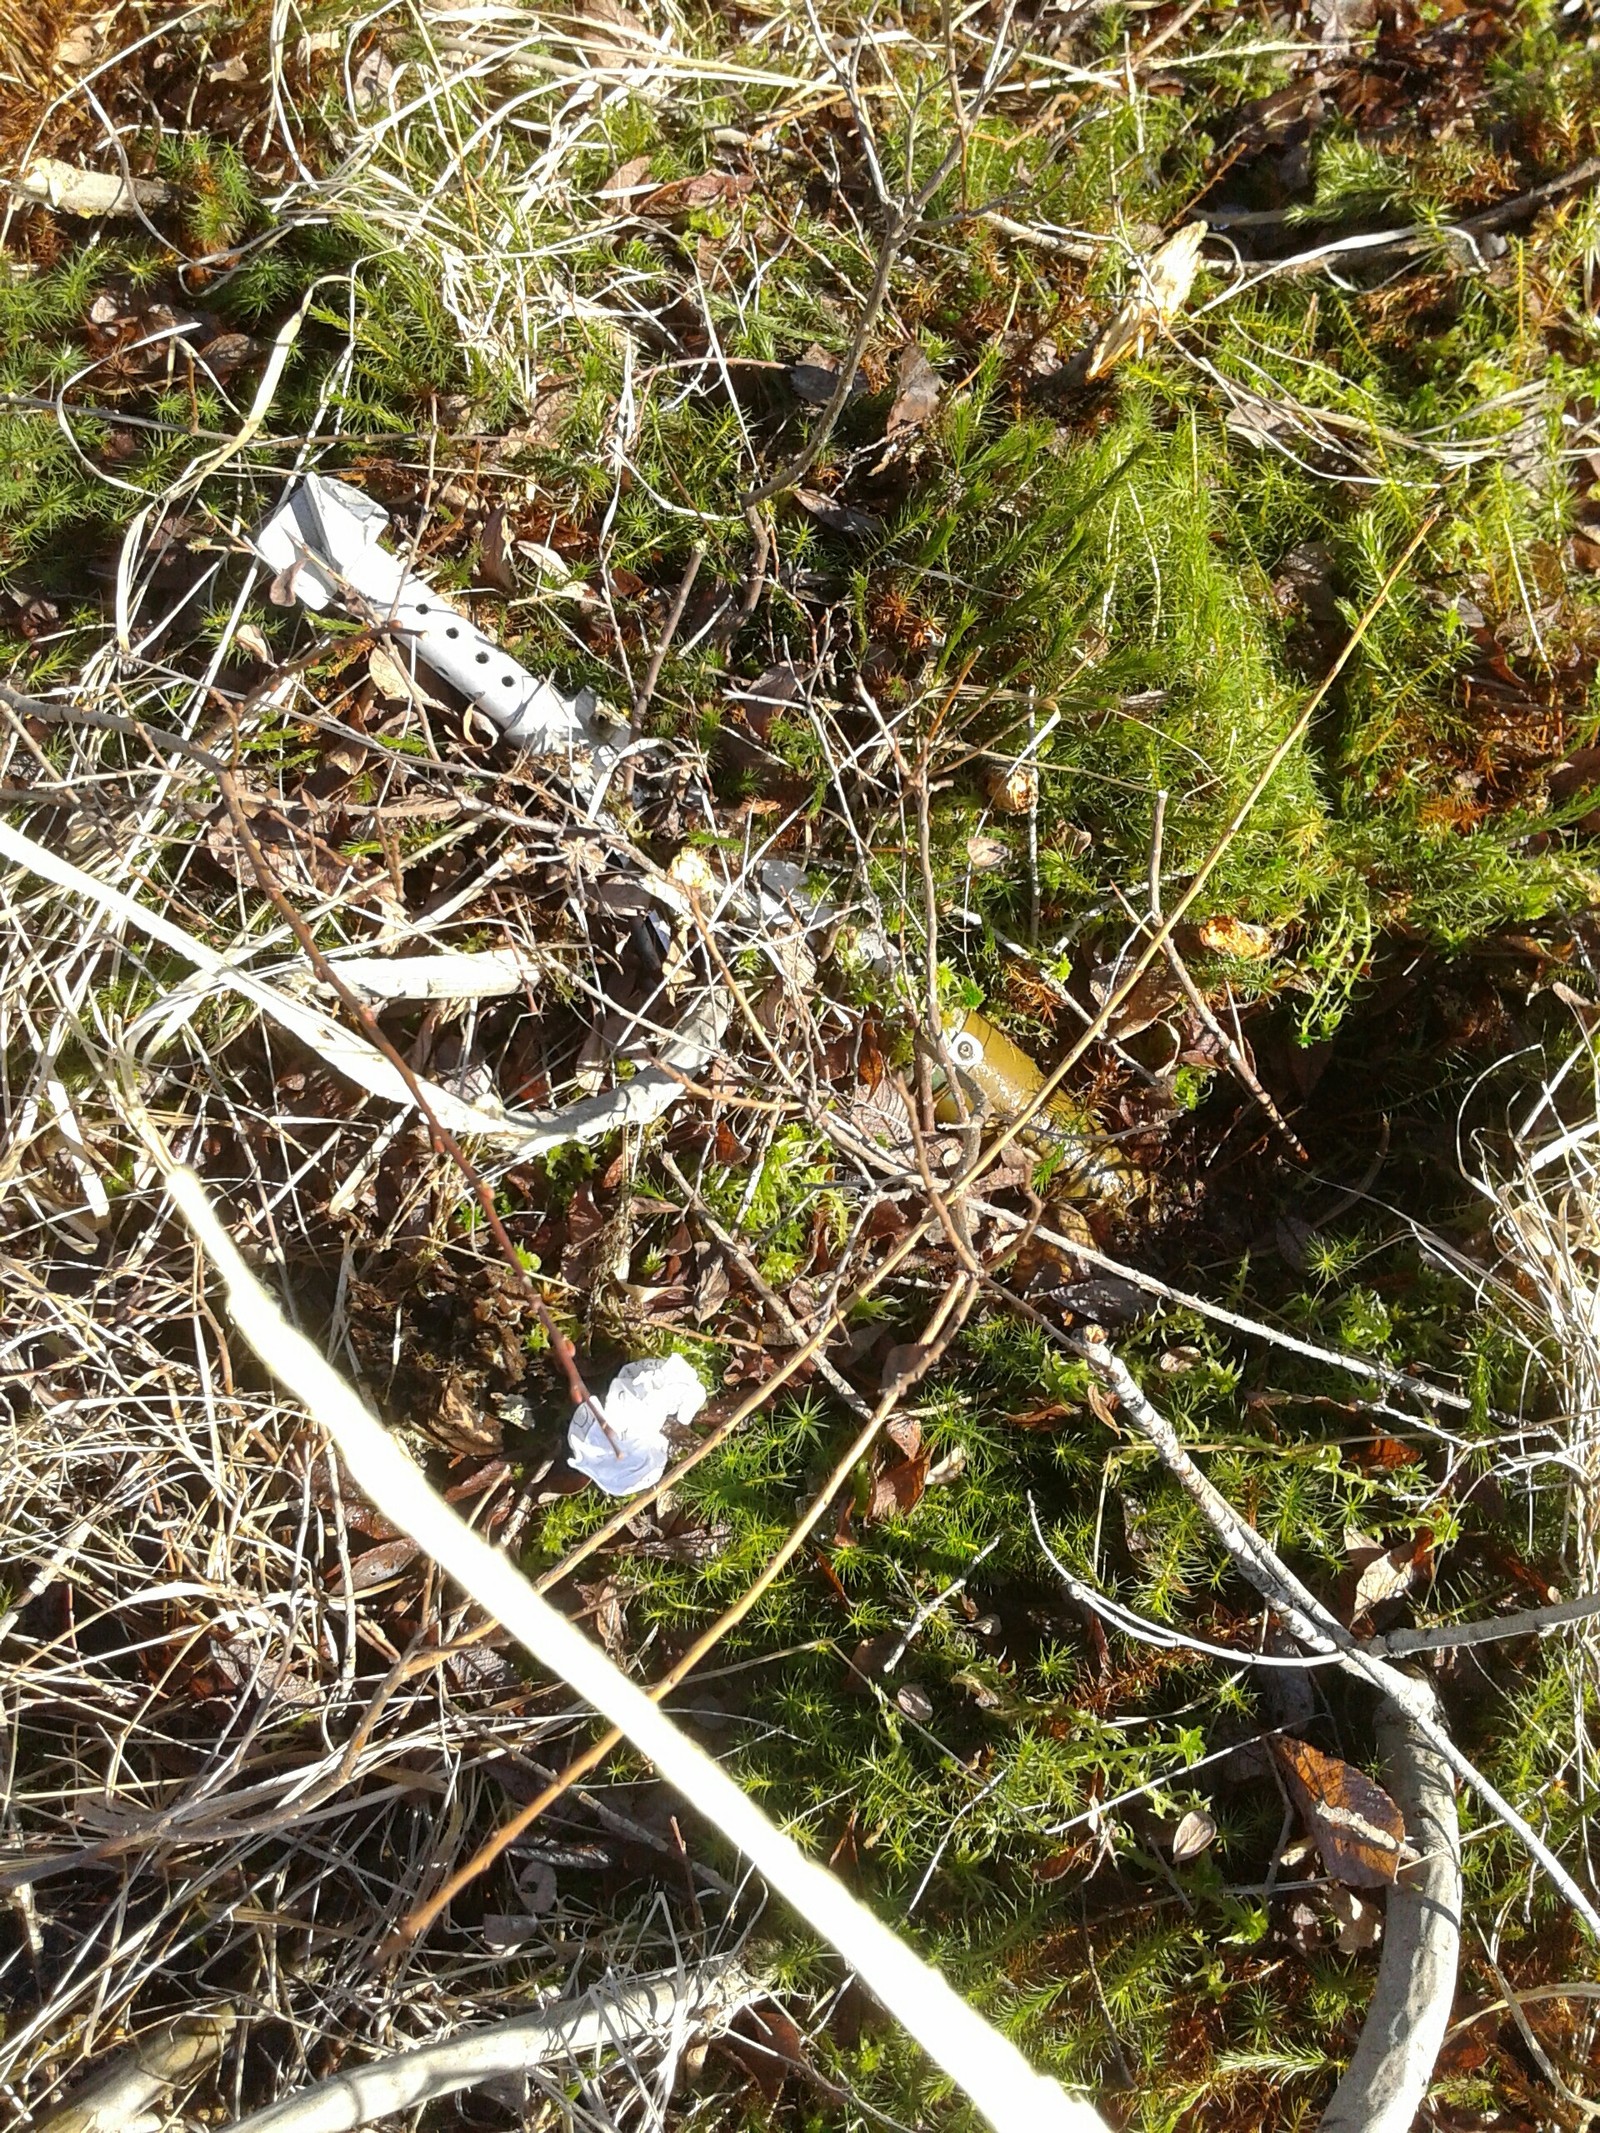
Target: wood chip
[73,191]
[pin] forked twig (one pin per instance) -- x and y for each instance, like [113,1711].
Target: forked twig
[1306,1616]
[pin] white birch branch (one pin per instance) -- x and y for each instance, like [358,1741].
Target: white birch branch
[1307,1618]
[986,2065]
[1391,2069]
[570,2030]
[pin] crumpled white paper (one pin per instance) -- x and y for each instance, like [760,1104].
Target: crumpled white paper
[643,1399]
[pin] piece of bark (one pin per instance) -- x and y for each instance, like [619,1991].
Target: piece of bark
[88,193]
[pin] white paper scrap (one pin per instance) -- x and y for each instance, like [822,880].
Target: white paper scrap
[643,1399]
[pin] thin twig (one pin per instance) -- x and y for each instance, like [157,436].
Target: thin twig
[936,1339]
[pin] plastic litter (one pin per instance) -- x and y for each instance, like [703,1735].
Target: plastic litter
[323,544]
[643,1399]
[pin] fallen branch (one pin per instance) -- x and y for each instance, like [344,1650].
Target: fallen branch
[1387,2080]
[569,2030]
[142,2075]
[1304,1614]
[987,2066]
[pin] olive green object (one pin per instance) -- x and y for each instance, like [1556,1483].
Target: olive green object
[999,1081]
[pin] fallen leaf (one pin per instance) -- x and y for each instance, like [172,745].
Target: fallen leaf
[905,1431]
[984,854]
[1160,293]
[1153,998]
[1357,1828]
[760,701]
[897,1489]
[768,2046]
[1192,1835]
[504,1932]
[837,517]
[1387,1574]
[1104,1298]
[494,554]
[1013,790]
[378,1565]
[904,1364]
[374,73]
[683,195]
[1174,1362]
[867,1660]
[1102,1405]
[628,180]
[1236,937]
[814,377]
[916,391]
[602,1604]
[916,1703]
[395,684]
[1305,580]
[1303,1928]
[1343,21]
[223,354]
[612,36]
[78,47]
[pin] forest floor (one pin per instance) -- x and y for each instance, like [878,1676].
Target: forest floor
[1027,640]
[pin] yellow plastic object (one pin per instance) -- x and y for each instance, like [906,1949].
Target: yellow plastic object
[999,1081]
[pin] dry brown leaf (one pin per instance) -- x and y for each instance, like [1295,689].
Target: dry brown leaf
[905,1432]
[298,860]
[1387,1574]
[814,377]
[984,854]
[1162,290]
[602,1604]
[378,1565]
[628,180]
[1015,790]
[1357,1828]
[1156,995]
[1102,1405]
[495,566]
[395,683]
[837,517]
[1359,1920]
[768,2046]
[612,36]
[683,195]
[897,1489]
[916,391]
